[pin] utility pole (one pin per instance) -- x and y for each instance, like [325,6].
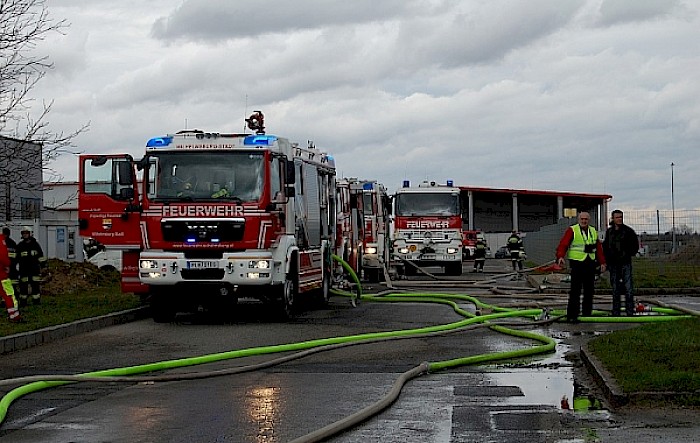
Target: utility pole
[673,215]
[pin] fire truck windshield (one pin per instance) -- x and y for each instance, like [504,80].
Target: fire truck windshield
[236,176]
[427,204]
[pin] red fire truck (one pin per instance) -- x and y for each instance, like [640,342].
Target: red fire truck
[363,226]
[205,218]
[428,226]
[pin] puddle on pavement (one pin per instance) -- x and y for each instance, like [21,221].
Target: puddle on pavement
[544,380]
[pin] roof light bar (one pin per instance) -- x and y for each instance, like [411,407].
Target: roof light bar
[259,140]
[156,142]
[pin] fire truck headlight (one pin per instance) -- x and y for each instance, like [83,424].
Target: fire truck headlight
[148,264]
[155,274]
[371,250]
[259,264]
[403,250]
[451,250]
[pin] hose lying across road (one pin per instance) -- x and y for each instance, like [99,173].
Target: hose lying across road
[493,320]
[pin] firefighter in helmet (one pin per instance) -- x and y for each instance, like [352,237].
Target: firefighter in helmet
[479,255]
[7,292]
[31,261]
[517,250]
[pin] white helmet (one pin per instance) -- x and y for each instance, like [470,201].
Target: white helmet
[26,229]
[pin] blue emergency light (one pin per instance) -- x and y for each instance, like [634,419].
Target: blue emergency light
[156,142]
[259,140]
[367,186]
[450,183]
[406,183]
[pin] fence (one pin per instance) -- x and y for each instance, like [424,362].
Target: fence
[669,252]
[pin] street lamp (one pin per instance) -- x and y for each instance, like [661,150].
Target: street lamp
[673,215]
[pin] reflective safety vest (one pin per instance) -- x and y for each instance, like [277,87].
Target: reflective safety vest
[579,242]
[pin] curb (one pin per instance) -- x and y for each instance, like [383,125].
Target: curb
[24,340]
[612,391]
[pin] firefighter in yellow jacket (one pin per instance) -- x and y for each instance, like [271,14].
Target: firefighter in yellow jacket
[31,260]
[7,293]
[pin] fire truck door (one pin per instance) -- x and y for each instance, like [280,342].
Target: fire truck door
[108,200]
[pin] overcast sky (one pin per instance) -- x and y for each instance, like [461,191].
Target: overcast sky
[590,96]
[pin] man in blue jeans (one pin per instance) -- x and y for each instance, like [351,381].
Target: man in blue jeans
[620,245]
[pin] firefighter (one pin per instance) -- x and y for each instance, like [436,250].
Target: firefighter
[517,250]
[479,255]
[7,292]
[31,261]
[12,250]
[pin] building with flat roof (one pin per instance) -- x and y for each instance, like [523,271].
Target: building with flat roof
[493,210]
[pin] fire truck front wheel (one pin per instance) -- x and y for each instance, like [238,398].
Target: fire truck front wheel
[323,294]
[288,299]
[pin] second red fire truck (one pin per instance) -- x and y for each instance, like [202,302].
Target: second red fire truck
[363,227]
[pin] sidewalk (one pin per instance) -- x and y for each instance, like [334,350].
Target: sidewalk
[24,340]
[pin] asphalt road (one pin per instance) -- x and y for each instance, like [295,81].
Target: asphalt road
[510,402]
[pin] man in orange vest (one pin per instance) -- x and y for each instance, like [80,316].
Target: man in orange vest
[7,292]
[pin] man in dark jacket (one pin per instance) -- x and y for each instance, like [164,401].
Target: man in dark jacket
[31,261]
[620,245]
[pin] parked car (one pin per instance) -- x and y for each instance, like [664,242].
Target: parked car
[502,252]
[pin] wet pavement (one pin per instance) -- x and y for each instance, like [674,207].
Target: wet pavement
[513,401]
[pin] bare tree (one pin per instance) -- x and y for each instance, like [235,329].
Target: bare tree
[24,23]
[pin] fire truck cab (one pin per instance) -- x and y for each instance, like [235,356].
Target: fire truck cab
[205,218]
[428,226]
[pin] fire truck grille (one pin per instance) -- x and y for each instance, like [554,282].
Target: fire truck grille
[202,274]
[203,231]
[437,236]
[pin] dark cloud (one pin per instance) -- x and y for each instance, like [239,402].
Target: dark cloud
[465,36]
[216,20]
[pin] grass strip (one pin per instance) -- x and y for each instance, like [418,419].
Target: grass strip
[654,357]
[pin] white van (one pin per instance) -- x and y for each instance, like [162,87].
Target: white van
[107,260]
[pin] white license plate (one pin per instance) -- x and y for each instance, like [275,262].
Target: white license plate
[428,257]
[202,264]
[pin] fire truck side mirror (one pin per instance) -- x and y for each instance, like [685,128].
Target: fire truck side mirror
[126,173]
[290,172]
[290,176]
